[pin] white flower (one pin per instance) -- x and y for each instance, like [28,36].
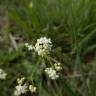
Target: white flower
[32,88]
[29,46]
[57,66]
[20,80]
[20,89]
[51,73]
[26,44]
[2,74]
[43,46]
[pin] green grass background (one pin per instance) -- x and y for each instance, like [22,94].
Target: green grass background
[71,24]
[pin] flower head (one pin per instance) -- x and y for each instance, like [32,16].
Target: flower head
[29,46]
[57,66]
[51,73]
[32,88]
[20,89]
[43,46]
[2,74]
[20,80]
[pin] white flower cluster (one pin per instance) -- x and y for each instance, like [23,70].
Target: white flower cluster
[42,47]
[30,47]
[22,87]
[52,71]
[3,74]
[32,88]
[57,66]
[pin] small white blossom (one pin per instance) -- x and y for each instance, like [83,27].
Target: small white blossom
[43,46]
[32,88]
[2,74]
[51,73]
[29,46]
[20,80]
[20,89]
[26,44]
[57,66]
